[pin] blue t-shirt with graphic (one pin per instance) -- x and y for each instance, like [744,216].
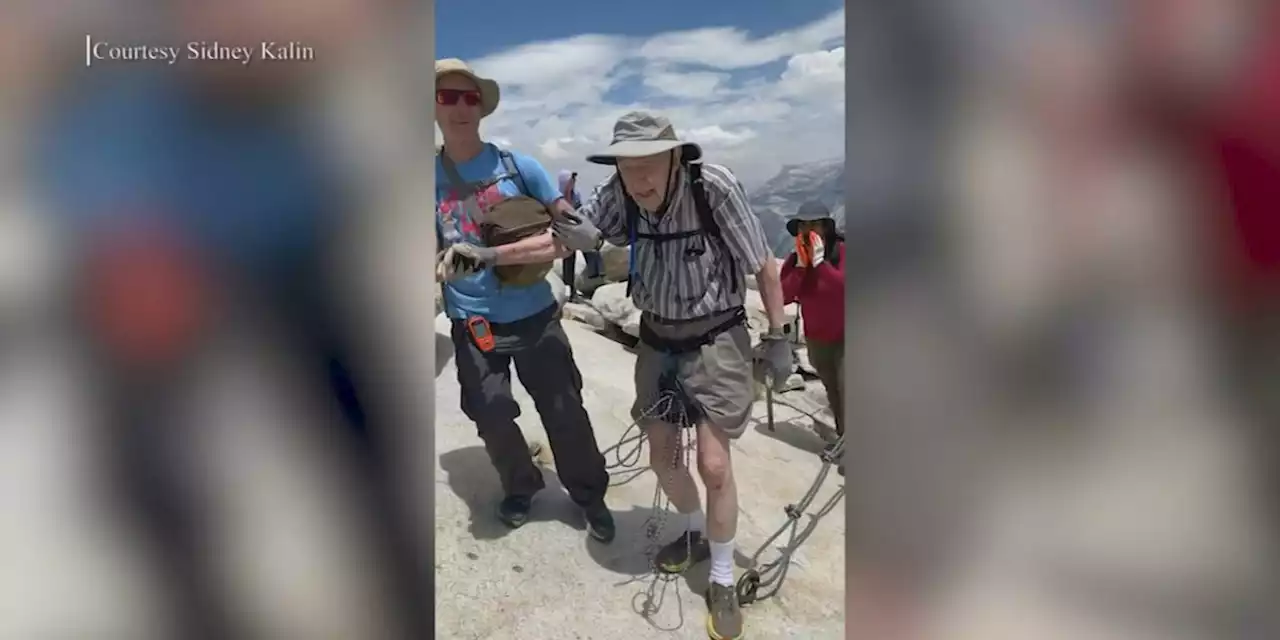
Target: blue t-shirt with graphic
[480,294]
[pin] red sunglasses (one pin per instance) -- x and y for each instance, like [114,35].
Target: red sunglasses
[451,97]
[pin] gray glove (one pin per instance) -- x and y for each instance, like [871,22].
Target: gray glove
[778,361]
[462,260]
[576,232]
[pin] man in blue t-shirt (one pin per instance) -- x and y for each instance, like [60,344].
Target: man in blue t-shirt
[495,322]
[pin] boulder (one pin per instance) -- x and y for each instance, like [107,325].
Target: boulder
[586,314]
[617,262]
[615,269]
[615,307]
[758,320]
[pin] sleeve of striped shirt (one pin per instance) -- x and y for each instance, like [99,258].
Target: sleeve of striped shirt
[739,225]
[605,210]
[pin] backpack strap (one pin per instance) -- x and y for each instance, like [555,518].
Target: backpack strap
[708,218]
[513,170]
[465,189]
[632,212]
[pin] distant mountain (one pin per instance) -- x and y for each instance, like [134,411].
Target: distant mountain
[794,185]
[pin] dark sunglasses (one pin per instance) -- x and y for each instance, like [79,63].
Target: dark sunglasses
[451,97]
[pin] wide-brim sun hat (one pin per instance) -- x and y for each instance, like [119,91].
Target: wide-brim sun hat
[639,134]
[489,92]
[811,211]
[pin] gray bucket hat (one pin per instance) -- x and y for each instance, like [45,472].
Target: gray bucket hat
[811,211]
[639,134]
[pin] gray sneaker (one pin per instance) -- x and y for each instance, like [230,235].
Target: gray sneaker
[724,616]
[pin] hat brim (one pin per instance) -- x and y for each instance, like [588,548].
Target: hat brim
[793,224]
[643,149]
[490,95]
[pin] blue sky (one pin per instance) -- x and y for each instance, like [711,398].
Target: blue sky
[462,33]
[759,83]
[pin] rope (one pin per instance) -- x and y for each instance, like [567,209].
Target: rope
[761,582]
[625,463]
[625,460]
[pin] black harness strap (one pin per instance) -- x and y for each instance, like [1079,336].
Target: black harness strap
[688,345]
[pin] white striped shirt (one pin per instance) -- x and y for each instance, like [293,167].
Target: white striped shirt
[674,279]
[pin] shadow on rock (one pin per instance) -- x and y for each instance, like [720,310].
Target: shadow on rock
[660,598]
[444,351]
[472,478]
[790,433]
[629,553]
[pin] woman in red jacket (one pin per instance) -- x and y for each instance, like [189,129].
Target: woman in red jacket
[814,277]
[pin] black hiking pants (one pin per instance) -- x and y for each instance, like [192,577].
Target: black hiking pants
[544,362]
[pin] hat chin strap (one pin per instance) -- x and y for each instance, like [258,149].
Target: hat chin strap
[671,187]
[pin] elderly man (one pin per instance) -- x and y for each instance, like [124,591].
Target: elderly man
[498,321]
[693,240]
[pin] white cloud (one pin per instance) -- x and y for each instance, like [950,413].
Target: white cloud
[824,66]
[692,85]
[554,104]
[729,48]
[715,136]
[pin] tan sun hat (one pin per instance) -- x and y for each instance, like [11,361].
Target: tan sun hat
[489,93]
[640,134]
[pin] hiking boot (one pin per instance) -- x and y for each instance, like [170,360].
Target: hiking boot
[724,616]
[513,511]
[683,552]
[600,522]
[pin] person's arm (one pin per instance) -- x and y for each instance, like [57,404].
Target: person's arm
[792,277]
[745,238]
[540,248]
[830,278]
[605,209]
[543,247]
[770,286]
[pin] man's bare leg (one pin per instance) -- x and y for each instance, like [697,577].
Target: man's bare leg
[715,467]
[668,463]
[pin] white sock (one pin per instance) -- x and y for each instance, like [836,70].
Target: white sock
[722,563]
[698,521]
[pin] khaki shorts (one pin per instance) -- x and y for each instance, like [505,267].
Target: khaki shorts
[717,377]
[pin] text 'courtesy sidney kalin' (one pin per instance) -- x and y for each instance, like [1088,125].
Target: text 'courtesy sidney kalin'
[97,51]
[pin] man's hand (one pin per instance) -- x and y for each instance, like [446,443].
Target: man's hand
[462,260]
[778,363]
[575,232]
